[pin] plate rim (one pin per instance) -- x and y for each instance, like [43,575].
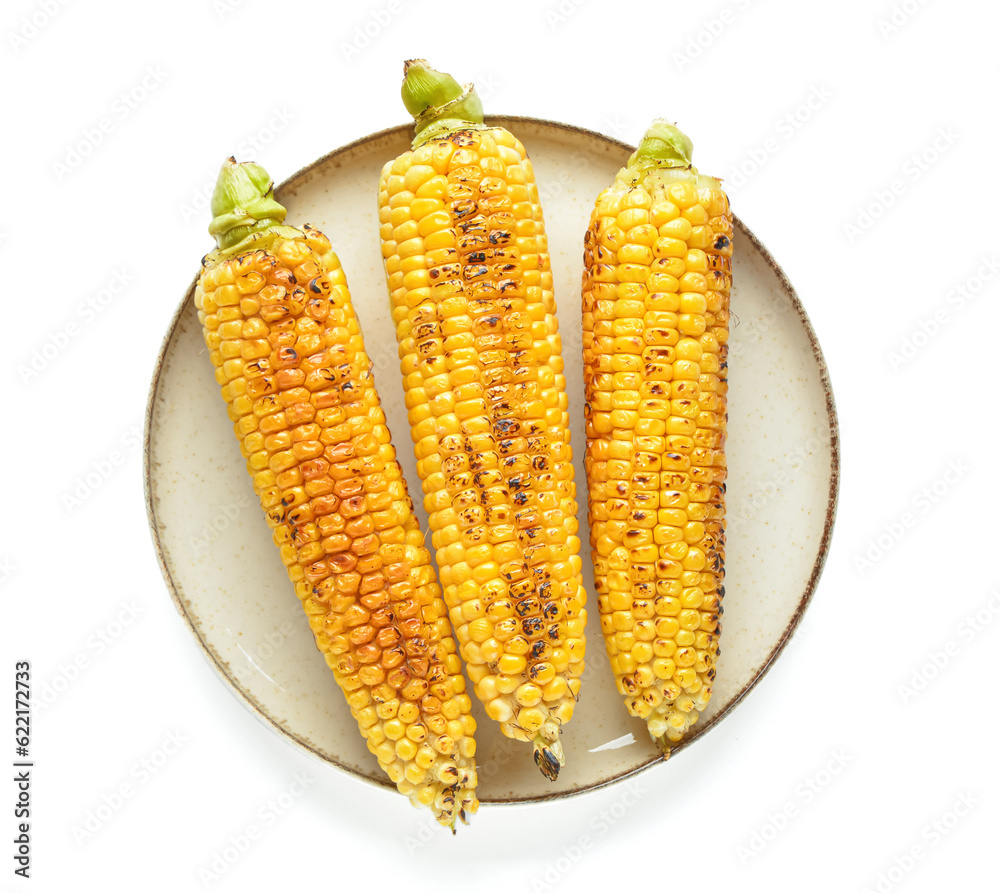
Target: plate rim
[511,122]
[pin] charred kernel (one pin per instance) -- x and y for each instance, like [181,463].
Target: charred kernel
[532,625]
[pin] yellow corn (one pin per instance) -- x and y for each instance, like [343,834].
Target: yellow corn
[658,270]
[284,339]
[471,291]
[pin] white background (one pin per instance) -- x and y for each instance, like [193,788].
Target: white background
[901,94]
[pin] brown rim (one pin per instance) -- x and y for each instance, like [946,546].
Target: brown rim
[221,666]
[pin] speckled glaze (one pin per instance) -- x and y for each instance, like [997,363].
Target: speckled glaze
[229,584]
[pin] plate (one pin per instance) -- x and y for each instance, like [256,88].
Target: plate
[227,580]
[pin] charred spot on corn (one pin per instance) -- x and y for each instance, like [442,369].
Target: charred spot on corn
[548,762]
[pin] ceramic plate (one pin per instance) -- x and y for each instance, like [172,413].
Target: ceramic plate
[227,581]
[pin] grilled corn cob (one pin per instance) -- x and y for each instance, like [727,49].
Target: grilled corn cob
[284,339]
[658,269]
[471,291]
